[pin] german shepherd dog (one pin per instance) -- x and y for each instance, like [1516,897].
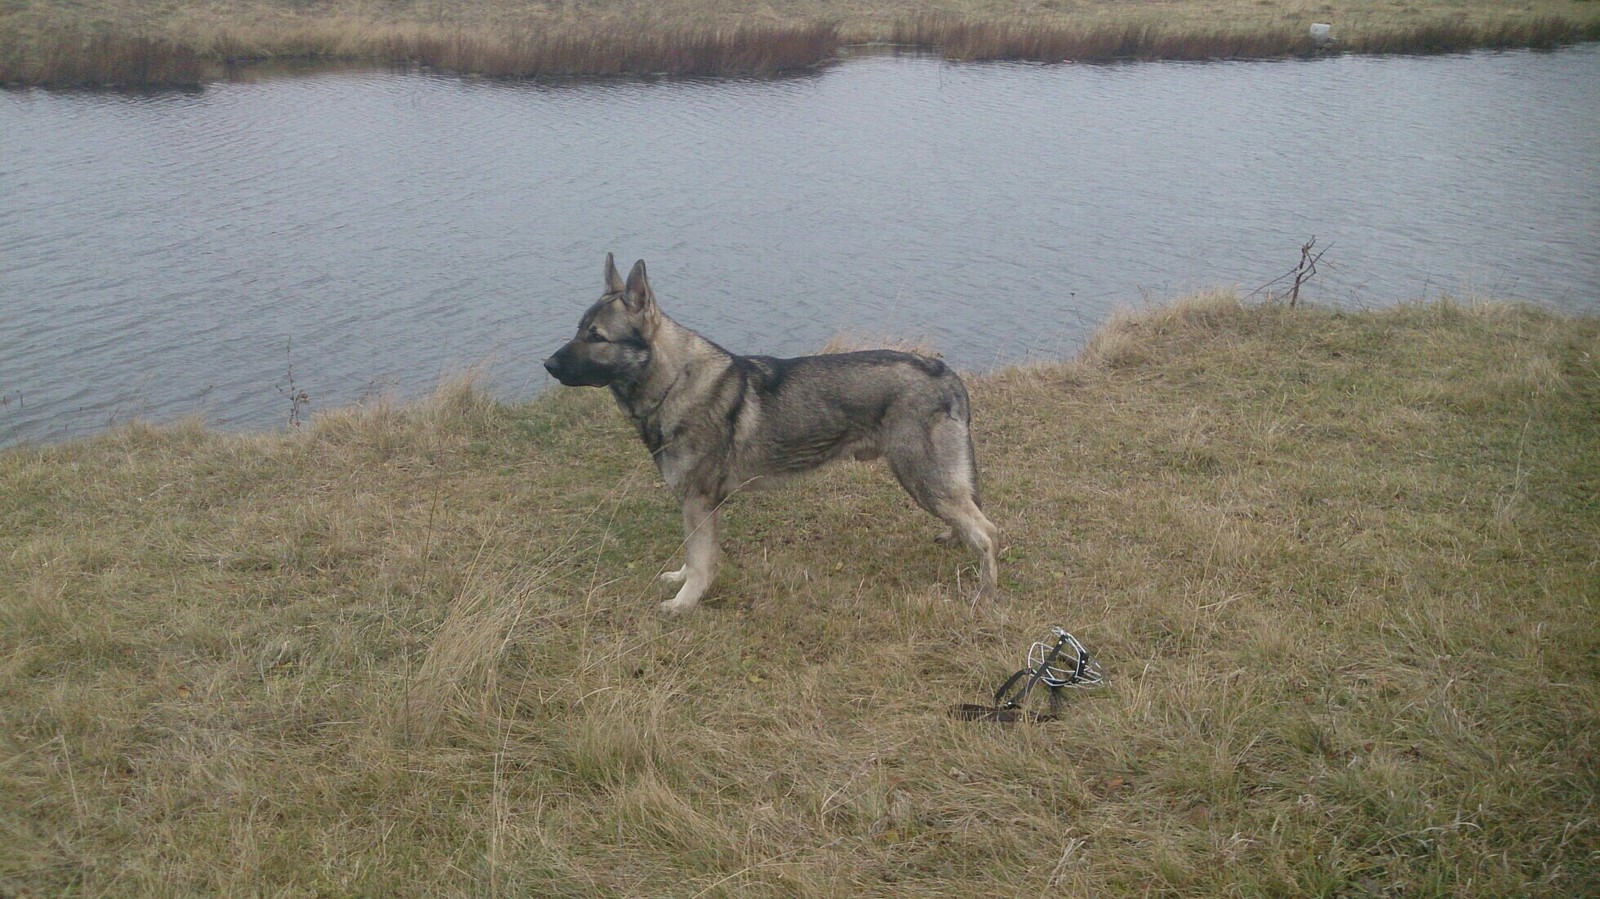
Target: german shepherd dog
[716,422]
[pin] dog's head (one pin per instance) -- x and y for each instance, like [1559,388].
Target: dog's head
[614,336]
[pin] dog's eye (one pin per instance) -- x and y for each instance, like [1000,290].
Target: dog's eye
[594,336]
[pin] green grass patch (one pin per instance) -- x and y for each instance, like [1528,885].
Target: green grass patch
[1339,569]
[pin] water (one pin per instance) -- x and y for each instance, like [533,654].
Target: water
[358,234]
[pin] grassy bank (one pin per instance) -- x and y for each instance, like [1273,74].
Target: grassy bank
[1339,568]
[128,42]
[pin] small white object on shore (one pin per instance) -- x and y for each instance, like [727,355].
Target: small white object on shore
[1321,34]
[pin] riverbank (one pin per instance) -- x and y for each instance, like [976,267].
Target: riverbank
[1338,569]
[120,42]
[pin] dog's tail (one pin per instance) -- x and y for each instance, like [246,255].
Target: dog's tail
[957,405]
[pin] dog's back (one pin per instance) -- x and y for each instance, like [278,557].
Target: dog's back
[811,410]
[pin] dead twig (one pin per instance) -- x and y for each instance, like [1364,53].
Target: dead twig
[299,400]
[1301,273]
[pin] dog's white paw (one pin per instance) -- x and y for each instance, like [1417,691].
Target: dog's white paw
[674,608]
[675,577]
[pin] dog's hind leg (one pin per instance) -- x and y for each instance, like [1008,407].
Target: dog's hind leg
[937,469]
[700,555]
[975,529]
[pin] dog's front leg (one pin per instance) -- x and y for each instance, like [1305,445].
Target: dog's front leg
[700,552]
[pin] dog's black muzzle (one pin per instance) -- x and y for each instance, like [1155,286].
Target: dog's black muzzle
[575,372]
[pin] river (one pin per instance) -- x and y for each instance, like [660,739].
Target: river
[353,234]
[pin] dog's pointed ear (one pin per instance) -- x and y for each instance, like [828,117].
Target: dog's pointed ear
[613,280]
[636,295]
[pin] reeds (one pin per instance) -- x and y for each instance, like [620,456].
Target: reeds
[746,50]
[177,55]
[1446,37]
[138,61]
[973,40]
[970,40]
[103,60]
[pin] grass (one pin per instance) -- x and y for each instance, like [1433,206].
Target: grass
[1339,569]
[97,42]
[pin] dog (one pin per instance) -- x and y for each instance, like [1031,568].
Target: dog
[716,422]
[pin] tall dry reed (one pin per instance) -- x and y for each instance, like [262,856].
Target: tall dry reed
[176,55]
[747,50]
[73,59]
[1448,37]
[974,40]
[70,59]
[971,40]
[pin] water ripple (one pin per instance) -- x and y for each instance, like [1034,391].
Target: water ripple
[175,253]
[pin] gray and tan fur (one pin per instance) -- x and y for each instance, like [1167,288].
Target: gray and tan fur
[716,422]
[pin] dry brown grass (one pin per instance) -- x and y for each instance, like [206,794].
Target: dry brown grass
[1339,568]
[119,41]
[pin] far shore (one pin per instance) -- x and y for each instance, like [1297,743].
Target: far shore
[127,43]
